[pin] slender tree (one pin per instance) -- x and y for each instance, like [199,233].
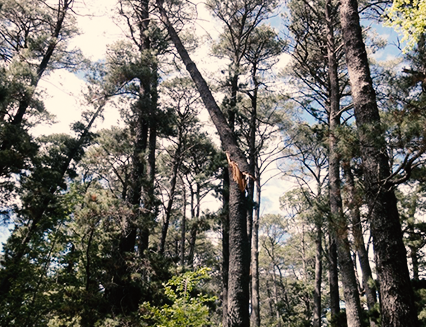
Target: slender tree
[238,283]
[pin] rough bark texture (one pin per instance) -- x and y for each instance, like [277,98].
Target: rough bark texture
[333,280]
[225,247]
[339,223]
[364,262]
[397,307]
[255,296]
[318,276]
[238,279]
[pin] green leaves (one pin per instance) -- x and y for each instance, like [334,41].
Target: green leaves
[187,308]
[409,18]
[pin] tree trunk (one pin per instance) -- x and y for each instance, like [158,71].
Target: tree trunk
[333,280]
[183,230]
[339,223]
[238,279]
[176,165]
[276,299]
[253,218]
[370,292]
[397,305]
[415,262]
[255,295]
[149,199]
[318,276]
[225,247]
[227,137]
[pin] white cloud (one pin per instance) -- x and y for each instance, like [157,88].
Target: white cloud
[97,29]
[63,91]
[283,60]
[206,24]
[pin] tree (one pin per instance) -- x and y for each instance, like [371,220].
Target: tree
[39,192]
[182,103]
[318,62]
[396,295]
[34,41]
[311,158]
[238,290]
[188,309]
[409,19]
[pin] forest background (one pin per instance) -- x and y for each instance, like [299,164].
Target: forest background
[98,220]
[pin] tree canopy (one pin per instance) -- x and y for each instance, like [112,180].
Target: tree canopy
[265,166]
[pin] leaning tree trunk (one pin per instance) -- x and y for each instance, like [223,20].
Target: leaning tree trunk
[339,223]
[238,283]
[397,305]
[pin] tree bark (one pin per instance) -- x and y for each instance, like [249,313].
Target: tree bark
[225,247]
[318,276]
[239,261]
[255,294]
[333,280]
[397,305]
[370,292]
[339,223]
